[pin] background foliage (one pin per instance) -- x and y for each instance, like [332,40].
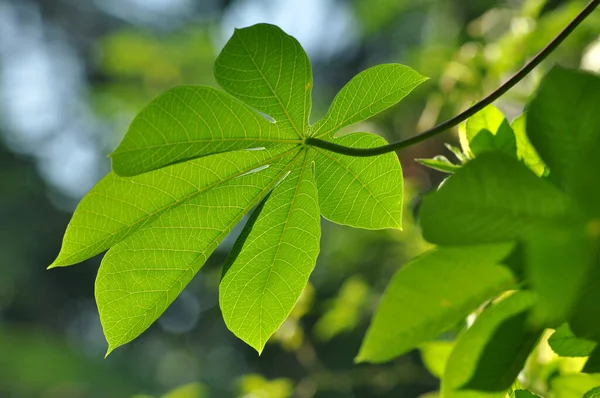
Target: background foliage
[73,76]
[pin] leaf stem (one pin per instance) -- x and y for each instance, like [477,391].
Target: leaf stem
[454,121]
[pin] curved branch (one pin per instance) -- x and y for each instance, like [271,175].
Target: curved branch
[493,96]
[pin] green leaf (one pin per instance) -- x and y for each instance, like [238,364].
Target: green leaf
[592,365]
[585,316]
[434,355]
[564,343]
[490,354]
[492,198]
[574,385]
[563,123]
[525,150]
[118,207]
[272,260]
[593,393]
[196,160]
[523,394]
[187,122]
[558,260]
[367,94]
[430,295]
[440,163]
[142,275]
[487,130]
[268,69]
[360,192]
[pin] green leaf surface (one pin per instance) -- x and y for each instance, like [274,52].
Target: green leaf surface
[490,354]
[558,258]
[523,394]
[563,123]
[487,130]
[367,94]
[272,260]
[525,150]
[440,163]
[434,355]
[360,192]
[430,295]
[593,393]
[492,198]
[268,69]
[565,344]
[574,385]
[118,207]
[196,160]
[141,276]
[187,122]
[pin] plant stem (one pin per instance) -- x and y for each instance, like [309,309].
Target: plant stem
[454,121]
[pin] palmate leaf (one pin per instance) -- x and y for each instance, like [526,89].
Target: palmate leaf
[196,160]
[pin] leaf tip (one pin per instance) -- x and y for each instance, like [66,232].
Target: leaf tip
[110,349]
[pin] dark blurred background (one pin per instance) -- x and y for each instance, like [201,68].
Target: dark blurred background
[73,74]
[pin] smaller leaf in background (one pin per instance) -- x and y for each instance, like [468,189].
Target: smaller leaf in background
[492,198]
[558,261]
[525,150]
[487,130]
[523,394]
[563,123]
[574,385]
[192,390]
[255,385]
[435,354]
[593,393]
[460,155]
[440,163]
[368,93]
[430,294]
[360,192]
[565,344]
[488,356]
[345,310]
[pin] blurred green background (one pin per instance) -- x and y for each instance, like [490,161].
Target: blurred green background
[73,74]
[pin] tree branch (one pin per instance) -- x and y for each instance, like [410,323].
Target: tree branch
[452,122]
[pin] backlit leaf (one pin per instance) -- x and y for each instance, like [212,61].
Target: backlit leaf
[564,343]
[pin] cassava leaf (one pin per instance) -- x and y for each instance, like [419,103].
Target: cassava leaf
[563,123]
[367,94]
[574,385]
[490,354]
[492,198]
[141,276]
[187,122]
[523,394]
[270,265]
[431,294]
[196,160]
[593,393]
[360,192]
[435,354]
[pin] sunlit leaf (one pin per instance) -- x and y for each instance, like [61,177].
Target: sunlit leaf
[574,385]
[430,295]
[434,355]
[360,192]
[440,163]
[196,160]
[487,130]
[525,150]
